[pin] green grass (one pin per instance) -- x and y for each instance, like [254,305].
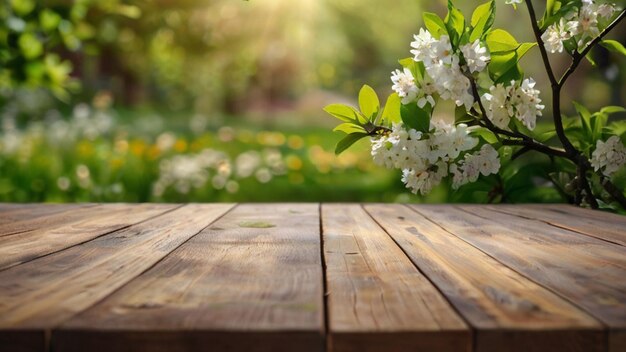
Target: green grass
[123,161]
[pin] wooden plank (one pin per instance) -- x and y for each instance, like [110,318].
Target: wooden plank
[507,311]
[252,281]
[592,223]
[37,217]
[93,222]
[11,213]
[586,271]
[377,299]
[38,296]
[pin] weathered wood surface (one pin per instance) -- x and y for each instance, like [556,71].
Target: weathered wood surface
[251,281]
[606,226]
[38,296]
[497,301]
[377,299]
[26,218]
[25,246]
[585,270]
[310,277]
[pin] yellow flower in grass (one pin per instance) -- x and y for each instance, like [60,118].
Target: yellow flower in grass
[180,146]
[294,162]
[137,147]
[85,149]
[154,152]
[116,163]
[295,142]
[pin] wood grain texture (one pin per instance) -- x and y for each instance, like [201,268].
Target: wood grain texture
[252,281]
[93,222]
[38,296]
[377,299]
[605,226]
[507,311]
[587,271]
[31,218]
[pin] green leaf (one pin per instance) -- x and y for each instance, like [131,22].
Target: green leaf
[343,112]
[598,122]
[461,115]
[349,128]
[455,23]
[23,7]
[500,40]
[368,102]
[557,9]
[612,109]
[482,19]
[434,24]
[30,46]
[348,141]
[49,20]
[589,58]
[504,65]
[485,135]
[416,68]
[585,118]
[391,114]
[614,46]
[415,117]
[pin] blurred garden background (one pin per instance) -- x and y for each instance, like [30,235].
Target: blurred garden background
[221,100]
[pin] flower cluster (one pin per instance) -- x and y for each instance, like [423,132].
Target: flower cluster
[485,162]
[519,100]
[582,25]
[425,159]
[404,84]
[443,68]
[609,156]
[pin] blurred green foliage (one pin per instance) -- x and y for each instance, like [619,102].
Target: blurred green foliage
[34,35]
[251,67]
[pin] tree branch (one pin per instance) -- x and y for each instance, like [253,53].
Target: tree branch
[556,87]
[582,179]
[578,56]
[613,191]
[542,48]
[532,144]
[522,140]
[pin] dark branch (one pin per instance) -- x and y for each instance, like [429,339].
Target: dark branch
[542,48]
[578,56]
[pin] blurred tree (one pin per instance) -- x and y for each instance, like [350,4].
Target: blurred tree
[35,35]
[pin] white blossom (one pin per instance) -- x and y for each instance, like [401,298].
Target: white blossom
[486,162]
[443,70]
[515,100]
[476,56]
[581,23]
[399,149]
[513,2]
[606,10]
[498,105]
[421,45]
[587,23]
[609,156]
[424,161]
[556,34]
[407,88]
[404,85]
[423,181]
[527,103]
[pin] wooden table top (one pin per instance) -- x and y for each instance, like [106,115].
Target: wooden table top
[311,277]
